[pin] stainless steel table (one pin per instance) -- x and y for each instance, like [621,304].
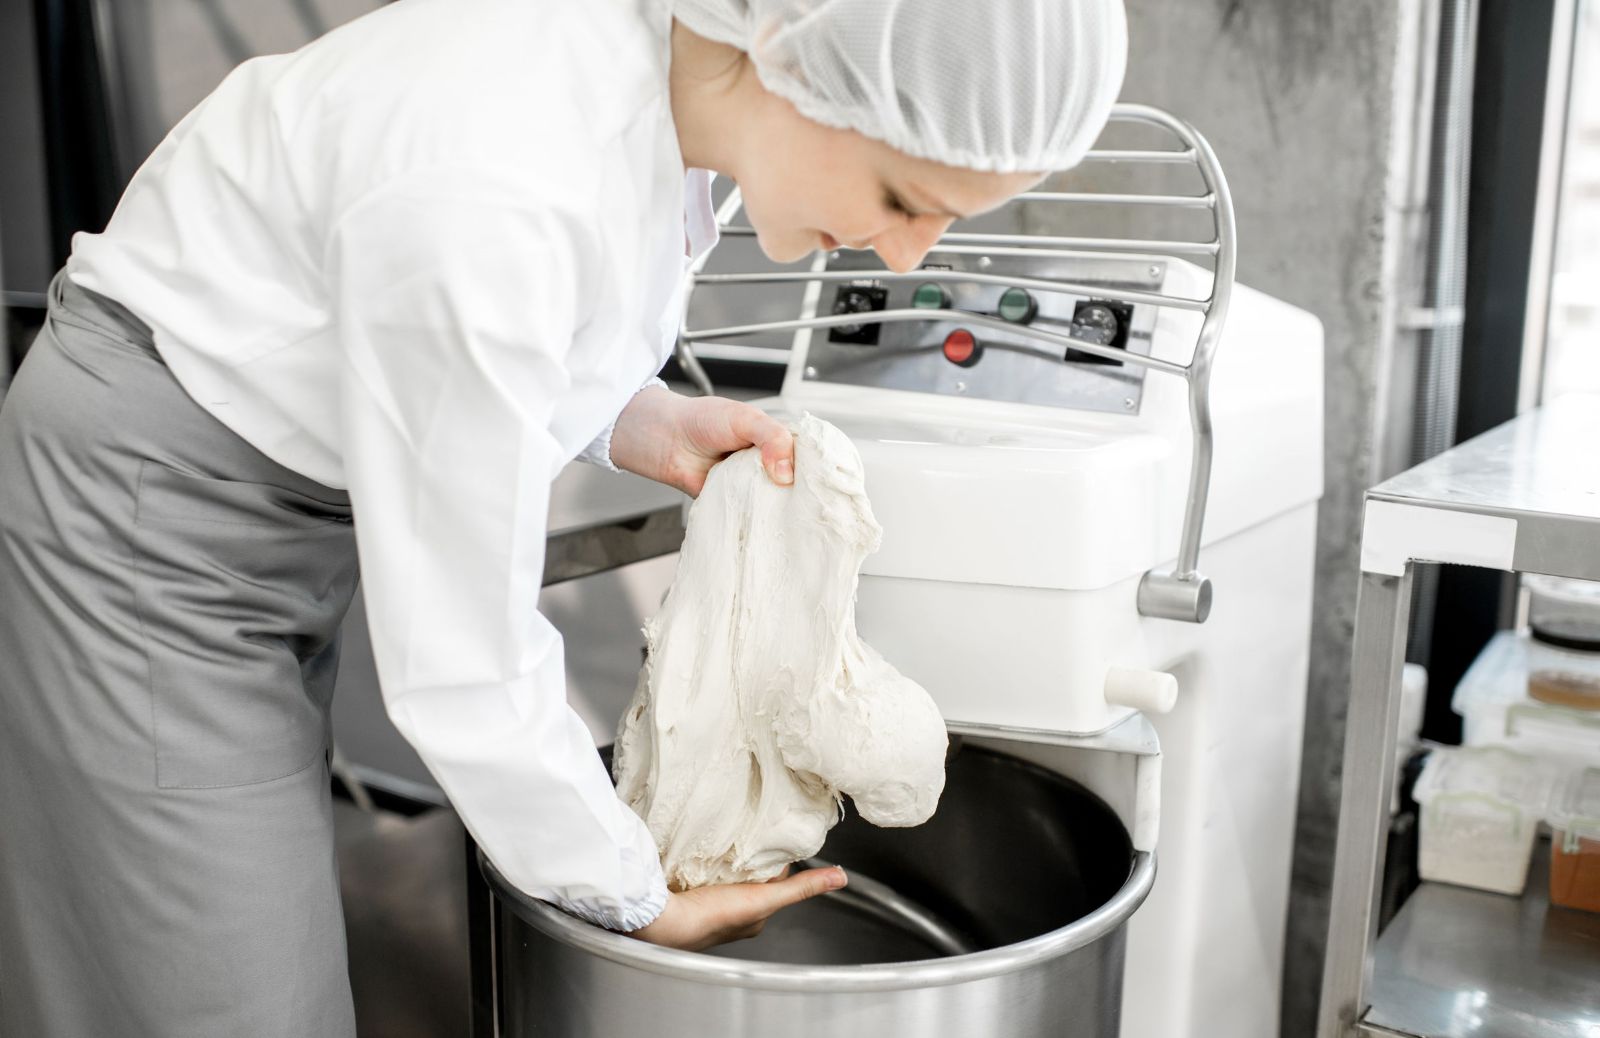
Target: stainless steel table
[1523,497]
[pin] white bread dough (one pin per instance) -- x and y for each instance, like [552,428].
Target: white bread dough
[759,705]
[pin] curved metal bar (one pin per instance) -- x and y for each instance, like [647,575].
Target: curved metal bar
[1183,594]
[1107,198]
[1169,247]
[1133,112]
[684,355]
[1173,247]
[964,317]
[1140,155]
[881,901]
[965,277]
[768,355]
[1012,251]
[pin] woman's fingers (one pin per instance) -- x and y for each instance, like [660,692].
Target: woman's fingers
[676,440]
[748,906]
[759,429]
[715,915]
[799,887]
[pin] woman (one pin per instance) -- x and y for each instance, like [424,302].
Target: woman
[370,298]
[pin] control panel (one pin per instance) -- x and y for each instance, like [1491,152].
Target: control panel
[955,358]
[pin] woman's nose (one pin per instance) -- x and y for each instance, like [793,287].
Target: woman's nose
[903,248]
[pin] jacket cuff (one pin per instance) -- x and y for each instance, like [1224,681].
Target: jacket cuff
[631,915]
[645,897]
[598,453]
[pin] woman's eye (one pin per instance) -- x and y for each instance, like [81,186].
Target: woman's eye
[893,203]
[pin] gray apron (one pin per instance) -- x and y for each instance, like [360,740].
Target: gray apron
[170,600]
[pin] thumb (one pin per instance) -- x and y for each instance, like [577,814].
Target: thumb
[801,886]
[777,457]
[776,442]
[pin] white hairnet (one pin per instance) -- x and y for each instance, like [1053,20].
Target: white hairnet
[984,84]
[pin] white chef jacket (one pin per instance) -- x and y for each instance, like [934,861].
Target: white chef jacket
[429,258]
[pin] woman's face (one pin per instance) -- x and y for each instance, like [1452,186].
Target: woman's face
[807,186]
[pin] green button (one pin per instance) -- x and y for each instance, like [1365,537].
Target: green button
[930,296]
[1017,306]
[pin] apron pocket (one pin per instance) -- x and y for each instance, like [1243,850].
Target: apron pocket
[241,588]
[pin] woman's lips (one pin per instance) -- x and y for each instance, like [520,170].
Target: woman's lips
[829,242]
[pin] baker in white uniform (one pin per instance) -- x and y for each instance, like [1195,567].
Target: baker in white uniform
[367,299]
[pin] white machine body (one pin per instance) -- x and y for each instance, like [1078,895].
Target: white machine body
[1015,538]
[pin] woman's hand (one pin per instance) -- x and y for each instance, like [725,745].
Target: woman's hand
[676,439]
[708,916]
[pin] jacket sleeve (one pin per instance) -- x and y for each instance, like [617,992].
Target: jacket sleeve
[458,292]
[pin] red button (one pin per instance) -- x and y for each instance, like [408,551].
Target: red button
[960,347]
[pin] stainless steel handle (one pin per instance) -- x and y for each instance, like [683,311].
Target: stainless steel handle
[1181,593]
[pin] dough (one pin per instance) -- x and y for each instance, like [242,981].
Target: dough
[758,705]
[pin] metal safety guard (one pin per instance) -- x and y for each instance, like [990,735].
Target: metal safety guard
[1181,593]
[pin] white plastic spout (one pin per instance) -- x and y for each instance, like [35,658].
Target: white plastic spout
[1148,691]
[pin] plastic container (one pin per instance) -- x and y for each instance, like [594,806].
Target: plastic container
[1564,656]
[1493,700]
[1481,809]
[1560,676]
[1564,611]
[1575,843]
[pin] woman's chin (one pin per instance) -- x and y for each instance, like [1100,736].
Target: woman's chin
[787,249]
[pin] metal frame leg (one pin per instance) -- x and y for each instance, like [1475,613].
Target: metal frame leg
[481,1020]
[1383,608]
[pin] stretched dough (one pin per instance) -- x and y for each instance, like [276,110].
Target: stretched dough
[758,705]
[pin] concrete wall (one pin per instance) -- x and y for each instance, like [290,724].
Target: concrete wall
[1308,106]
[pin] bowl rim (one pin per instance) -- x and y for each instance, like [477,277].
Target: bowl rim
[891,976]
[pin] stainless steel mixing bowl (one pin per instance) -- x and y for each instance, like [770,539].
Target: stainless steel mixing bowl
[1020,863]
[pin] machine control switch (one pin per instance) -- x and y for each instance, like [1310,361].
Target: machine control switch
[858,297]
[930,296]
[1018,306]
[1102,322]
[1148,691]
[963,348]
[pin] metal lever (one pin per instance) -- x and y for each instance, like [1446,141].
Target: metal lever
[1182,593]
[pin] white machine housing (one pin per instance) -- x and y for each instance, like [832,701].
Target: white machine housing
[1019,533]
[1014,541]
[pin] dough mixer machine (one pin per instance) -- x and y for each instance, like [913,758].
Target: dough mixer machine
[1064,435]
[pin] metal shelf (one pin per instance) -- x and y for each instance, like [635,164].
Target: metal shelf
[1460,963]
[1524,497]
